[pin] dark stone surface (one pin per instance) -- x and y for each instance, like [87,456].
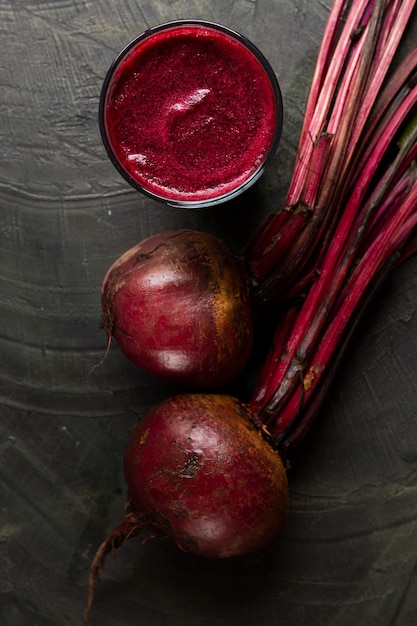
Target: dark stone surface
[348,553]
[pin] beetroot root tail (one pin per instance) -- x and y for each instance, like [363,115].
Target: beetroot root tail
[103,358]
[132,524]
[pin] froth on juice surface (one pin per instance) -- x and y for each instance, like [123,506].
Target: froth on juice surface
[190,113]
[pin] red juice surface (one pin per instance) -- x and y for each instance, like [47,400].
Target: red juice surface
[190,113]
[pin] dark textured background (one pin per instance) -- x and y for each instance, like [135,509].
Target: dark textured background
[348,553]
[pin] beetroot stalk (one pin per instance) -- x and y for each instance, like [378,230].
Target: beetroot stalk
[334,56]
[339,60]
[293,434]
[357,90]
[351,224]
[398,86]
[358,292]
[310,346]
[396,20]
[346,237]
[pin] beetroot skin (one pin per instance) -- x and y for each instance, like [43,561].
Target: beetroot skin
[179,306]
[202,473]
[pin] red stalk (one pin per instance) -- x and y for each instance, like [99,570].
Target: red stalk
[333,301]
[332,55]
[282,232]
[325,55]
[335,267]
[346,84]
[392,30]
[373,267]
[321,101]
[403,79]
[290,437]
[345,242]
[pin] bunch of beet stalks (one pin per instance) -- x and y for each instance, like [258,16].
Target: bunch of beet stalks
[209,471]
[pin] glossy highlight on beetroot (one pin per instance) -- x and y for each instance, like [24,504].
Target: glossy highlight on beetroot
[190,113]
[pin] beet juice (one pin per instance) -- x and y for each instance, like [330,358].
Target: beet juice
[190,113]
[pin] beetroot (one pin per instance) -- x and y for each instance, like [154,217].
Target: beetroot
[200,474]
[178,306]
[187,465]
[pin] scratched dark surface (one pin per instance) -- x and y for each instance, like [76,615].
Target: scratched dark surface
[348,553]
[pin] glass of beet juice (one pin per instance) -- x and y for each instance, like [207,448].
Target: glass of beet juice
[190,113]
